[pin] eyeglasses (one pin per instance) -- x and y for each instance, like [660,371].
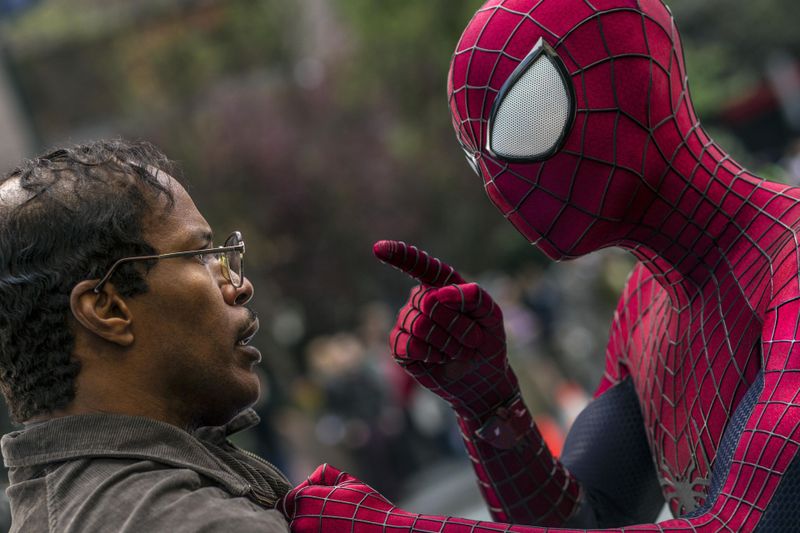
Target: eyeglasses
[230,256]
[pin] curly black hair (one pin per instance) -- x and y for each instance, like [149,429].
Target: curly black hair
[65,217]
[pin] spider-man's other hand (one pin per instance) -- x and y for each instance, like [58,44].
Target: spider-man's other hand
[331,501]
[450,335]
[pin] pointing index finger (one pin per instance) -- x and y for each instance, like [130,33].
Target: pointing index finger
[416,263]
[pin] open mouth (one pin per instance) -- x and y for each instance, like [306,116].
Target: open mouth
[248,333]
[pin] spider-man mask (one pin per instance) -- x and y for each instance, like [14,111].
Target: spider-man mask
[575,113]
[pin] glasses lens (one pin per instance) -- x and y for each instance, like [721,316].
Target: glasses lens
[233,260]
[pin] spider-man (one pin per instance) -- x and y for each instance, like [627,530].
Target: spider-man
[576,114]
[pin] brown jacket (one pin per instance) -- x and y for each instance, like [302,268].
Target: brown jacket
[105,472]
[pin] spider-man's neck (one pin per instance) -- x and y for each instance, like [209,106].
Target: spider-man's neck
[710,220]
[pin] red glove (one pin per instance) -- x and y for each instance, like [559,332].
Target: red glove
[450,335]
[331,501]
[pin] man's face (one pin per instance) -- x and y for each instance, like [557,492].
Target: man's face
[188,325]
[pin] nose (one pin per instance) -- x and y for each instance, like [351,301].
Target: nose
[237,296]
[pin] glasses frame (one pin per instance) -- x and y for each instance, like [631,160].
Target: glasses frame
[223,260]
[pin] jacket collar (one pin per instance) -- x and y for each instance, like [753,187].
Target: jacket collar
[122,436]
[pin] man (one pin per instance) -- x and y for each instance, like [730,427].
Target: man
[124,351]
[576,116]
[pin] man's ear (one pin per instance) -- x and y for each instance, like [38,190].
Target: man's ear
[103,313]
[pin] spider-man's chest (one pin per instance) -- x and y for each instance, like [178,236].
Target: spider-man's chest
[690,367]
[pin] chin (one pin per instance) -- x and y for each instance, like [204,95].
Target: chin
[245,394]
[229,400]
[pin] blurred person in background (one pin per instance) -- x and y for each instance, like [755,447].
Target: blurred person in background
[124,352]
[577,117]
[367,415]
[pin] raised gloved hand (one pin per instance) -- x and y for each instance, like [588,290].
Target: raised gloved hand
[450,335]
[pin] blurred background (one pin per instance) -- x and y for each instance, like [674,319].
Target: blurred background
[317,127]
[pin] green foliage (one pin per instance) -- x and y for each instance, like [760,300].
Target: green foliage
[408,43]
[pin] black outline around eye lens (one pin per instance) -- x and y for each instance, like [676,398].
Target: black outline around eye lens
[540,48]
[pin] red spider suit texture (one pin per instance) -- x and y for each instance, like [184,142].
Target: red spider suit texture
[700,390]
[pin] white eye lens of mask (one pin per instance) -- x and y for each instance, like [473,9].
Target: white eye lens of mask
[534,110]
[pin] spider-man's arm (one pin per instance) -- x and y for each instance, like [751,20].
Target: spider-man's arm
[606,454]
[450,337]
